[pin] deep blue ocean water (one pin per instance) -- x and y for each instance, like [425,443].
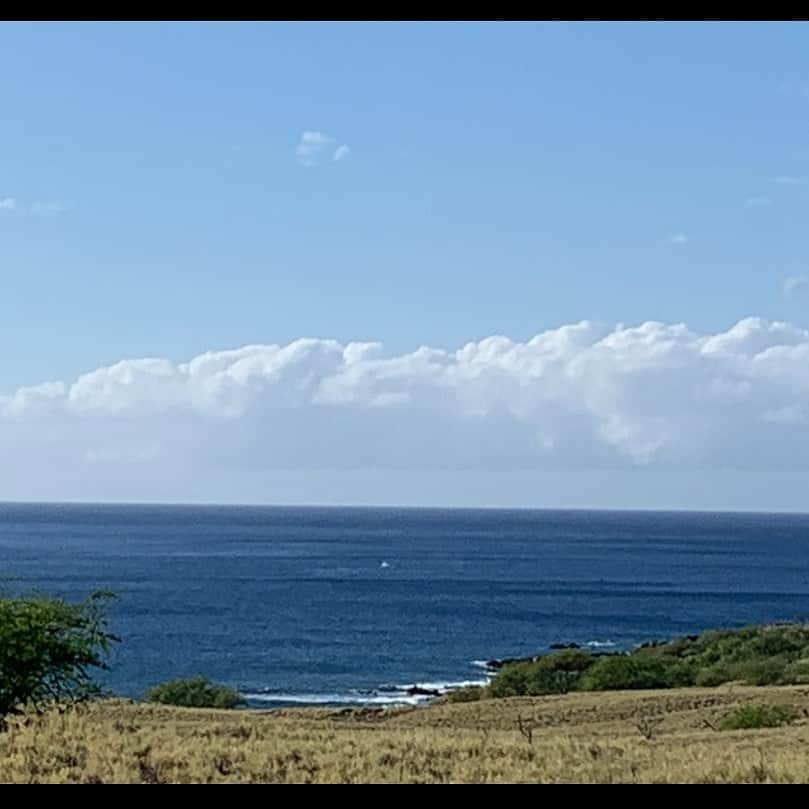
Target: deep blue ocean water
[327,604]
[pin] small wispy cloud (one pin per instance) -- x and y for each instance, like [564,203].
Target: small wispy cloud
[789,179]
[7,203]
[796,286]
[49,208]
[313,146]
[758,202]
[677,238]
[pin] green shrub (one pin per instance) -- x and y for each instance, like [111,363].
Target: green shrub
[758,655]
[769,671]
[195,692]
[748,717]
[772,641]
[469,693]
[712,676]
[47,649]
[679,673]
[557,673]
[797,672]
[511,680]
[619,672]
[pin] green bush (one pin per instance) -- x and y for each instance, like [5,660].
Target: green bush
[195,692]
[511,680]
[769,671]
[797,672]
[47,649]
[555,673]
[757,655]
[748,717]
[626,672]
[712,676]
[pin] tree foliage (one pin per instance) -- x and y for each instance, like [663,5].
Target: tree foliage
[49,648]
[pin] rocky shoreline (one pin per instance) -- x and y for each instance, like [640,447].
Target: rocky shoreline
[495,664]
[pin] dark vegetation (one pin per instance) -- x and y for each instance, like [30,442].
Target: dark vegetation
[469,693]
[48,650]
[776,654]
[195,692]
[749,717]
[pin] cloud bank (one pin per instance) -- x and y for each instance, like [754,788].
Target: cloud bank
[649,397]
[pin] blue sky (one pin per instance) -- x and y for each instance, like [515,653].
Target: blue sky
[493,179]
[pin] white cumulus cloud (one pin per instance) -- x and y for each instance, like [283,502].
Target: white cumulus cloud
[576,396]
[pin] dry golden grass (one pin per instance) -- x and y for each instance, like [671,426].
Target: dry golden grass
[636,737]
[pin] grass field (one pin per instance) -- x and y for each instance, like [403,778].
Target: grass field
[667,736]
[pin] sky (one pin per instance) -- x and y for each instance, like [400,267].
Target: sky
[543,265]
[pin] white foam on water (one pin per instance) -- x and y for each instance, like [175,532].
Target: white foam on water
[442,687]
[600,644]
[399,694]
[337,699]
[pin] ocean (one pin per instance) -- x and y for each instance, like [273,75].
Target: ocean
[353,605]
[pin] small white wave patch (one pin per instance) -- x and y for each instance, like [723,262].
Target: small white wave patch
[399,694]
[394,698]
[442,687]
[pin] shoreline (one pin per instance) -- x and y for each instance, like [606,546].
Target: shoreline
[418,692]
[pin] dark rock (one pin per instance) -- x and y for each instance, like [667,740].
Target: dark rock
[411,691]
[556,646]
[417,691]
[497,664]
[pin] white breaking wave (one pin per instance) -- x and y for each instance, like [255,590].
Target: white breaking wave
[399,694]
[443,687]
[600,644]
[337,699]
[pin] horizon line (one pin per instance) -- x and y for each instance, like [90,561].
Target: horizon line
[392,507]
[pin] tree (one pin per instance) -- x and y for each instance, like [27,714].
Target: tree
[48,648]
